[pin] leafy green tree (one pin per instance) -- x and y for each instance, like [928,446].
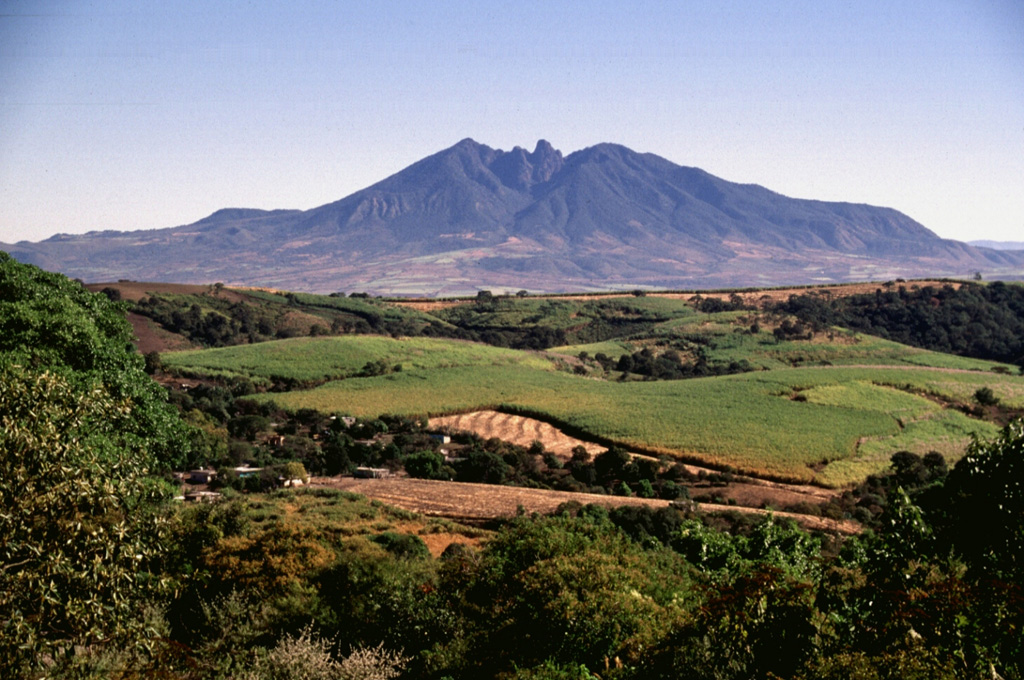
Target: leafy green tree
[50,322]
[571,590]
[985,396]
[426,465]
[483,467]
[612,464]
[77,527]
[985,517]
[82,427]
[408,546]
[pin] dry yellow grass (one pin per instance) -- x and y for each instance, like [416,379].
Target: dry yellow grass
[515,429]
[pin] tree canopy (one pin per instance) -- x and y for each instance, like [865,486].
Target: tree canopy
[82,428]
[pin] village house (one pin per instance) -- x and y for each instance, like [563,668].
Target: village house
[371,473]
[201,476]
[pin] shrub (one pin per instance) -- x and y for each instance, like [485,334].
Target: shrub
[402,545]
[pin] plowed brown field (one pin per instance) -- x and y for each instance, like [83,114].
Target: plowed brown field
[477,502]
[514,429]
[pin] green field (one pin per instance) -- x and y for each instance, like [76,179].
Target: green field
[857,416]
[727,341]
[316,359]
[829,409]
[567,314]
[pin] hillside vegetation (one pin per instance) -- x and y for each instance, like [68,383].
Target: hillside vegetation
[102,576]
[716,381]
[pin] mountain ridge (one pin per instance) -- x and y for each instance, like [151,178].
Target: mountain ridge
[471,217]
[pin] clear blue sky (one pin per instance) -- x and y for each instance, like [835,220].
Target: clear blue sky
[139,115]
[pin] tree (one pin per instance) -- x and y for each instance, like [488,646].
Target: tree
[77,522]
[426,465]
[985,396]
[985,492]
[484,467]
[50,322]
[295,470]
[81,429]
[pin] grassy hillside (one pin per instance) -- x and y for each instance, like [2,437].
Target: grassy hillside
[750,421]
[316,359]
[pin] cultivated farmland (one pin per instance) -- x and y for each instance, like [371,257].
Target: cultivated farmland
[318,359]
[812,404]
[754,422]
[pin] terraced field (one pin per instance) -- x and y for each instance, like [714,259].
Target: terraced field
[515,429]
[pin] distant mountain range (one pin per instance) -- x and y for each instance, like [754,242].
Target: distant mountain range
[999,245]
[472,217]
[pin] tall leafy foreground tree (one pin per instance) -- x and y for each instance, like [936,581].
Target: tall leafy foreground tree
[81,429]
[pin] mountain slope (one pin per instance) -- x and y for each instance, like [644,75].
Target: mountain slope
[473,217]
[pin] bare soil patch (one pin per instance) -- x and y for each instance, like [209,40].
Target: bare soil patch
[438,543]
[150,337]
[480,502]
[429,305]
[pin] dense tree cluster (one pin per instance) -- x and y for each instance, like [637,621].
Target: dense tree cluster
[214,319]
[669,365]
[981,321]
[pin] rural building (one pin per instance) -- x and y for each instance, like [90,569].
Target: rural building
[201,476]
[246,471]
[202,497]
[371,473]
[443,438]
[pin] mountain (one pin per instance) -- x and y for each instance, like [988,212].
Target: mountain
[472,217]
[999,245]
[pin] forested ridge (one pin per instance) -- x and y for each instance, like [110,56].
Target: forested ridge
[975,320]
[101,575]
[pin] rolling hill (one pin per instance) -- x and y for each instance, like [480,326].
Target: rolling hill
[472,217]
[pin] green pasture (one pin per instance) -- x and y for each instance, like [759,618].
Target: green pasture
[945,431]
[613,348]
[727,343]
[749,421]
[849,405]
[311,359]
